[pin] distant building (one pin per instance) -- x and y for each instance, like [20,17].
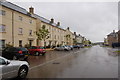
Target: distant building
[112,38]
[105,41]
[79,38]
[119,36]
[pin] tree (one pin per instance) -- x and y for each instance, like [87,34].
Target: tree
[68,37]
[90,42]
[42,34]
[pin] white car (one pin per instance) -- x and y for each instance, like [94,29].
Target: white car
[13,68]
[67,48]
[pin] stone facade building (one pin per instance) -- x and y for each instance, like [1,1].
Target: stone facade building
[18,27]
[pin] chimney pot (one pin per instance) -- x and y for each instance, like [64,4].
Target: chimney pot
[31,10]
[52,20]
[68,28]
[58,23]
[113,31]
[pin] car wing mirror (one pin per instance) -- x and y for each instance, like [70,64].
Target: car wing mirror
[7,62]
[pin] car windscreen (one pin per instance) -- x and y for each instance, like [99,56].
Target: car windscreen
[23,49]
[40,47]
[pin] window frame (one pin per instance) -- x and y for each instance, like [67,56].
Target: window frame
[2,12]
[20,18]
[2,45]
[20,31]
[2,28]
[30,32]
[30,21]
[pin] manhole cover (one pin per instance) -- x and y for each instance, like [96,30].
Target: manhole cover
[56,63]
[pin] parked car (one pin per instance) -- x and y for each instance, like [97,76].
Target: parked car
[59,48]
[15,53]
[13,68]
[115,44]
[71,47]
[37,50]
[67,48]
[76,46]
[81,46]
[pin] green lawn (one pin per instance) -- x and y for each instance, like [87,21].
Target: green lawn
[117,51]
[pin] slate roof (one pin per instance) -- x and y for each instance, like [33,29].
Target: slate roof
[112,34]
[15,7]
[47,21]
[24,11]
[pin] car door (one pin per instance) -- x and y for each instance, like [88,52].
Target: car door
[6,70]
[30,50]
[6,53]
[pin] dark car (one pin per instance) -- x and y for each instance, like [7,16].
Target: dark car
[115,45]
[37,50]
[15,53]
[76,46]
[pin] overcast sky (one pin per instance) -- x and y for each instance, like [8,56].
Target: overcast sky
[94,20]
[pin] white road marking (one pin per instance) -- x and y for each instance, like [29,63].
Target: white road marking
[54,60]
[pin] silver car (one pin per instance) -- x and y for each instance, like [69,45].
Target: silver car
[61,48]
[13,68]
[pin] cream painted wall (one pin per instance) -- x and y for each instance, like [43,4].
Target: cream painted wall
[54,31]
[7,20]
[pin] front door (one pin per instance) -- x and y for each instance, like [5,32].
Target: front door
[20,43]
[30,42]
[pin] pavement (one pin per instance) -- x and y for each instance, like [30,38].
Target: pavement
[49,49]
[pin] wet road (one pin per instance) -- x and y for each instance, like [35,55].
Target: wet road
[94,62]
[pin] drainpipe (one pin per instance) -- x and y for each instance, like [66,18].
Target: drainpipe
[13,28]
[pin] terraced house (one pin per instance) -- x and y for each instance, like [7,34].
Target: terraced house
[18,27]
[56,35]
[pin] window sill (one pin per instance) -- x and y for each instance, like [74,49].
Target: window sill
[20,34]
[3,32]
[30,35]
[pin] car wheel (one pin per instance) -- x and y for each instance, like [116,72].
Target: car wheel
[15,58]
[43,54]
[37,53]
[25,59]
[22,72]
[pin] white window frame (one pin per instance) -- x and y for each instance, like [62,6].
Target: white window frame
[20,30]
[30,21]
[2,28]
[30,32]
[20,18]
[2,12]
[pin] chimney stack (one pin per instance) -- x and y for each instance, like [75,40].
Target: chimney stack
[31,10]
[75,33]
[113,31]
[58,23]
[68,28]
[52,20]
